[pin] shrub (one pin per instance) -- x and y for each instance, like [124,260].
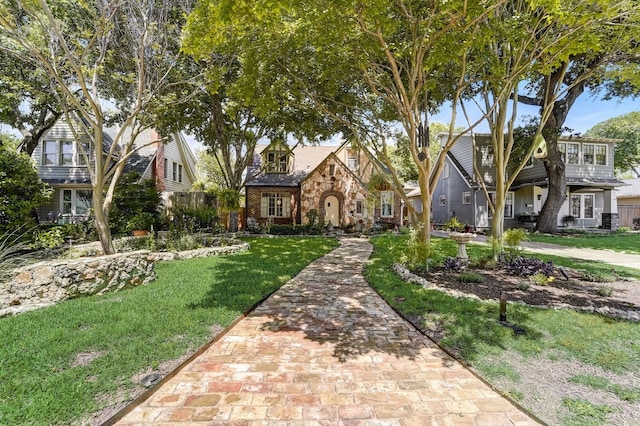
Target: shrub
[277,229]
[418,252]
[191,219]
[50,239]
[132,197]
[21,189]
[624,229]
[523,286]
[605,291]
[526,266]
[540,278]
[471,277]
[514,237]
[597,277]
[453,264]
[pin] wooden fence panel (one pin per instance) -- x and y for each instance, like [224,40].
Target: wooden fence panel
[627,214]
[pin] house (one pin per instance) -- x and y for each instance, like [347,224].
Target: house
[288,185]
[590,198]
[629,203]
[61,165]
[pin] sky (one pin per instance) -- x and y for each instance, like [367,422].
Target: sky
[585,113]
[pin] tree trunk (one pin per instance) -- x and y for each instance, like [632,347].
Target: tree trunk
[102,228]
[548,218]
[31,139]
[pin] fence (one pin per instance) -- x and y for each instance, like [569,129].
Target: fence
[627,214]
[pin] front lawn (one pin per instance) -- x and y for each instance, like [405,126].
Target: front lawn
[60,364]
[544,369]
[628,242]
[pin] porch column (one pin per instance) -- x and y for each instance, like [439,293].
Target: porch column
[610,212]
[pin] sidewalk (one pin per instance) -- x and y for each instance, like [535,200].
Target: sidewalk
[325,349]
[606,256]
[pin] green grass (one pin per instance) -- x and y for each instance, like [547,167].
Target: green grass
[584,413]
[601,383]
[623,242]
[134,329]
[471,328]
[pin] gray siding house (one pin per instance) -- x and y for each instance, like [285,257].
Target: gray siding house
[169,161]
[590,198]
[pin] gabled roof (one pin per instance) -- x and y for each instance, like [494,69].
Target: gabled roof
[305,160]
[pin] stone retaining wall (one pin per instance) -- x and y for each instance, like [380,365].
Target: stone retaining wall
[46,283]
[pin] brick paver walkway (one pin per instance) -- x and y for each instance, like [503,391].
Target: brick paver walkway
[326,349]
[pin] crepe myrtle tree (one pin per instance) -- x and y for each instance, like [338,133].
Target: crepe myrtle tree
[99,53]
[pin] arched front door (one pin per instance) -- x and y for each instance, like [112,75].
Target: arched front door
[332,210]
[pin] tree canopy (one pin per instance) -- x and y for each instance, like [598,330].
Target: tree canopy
[627,128]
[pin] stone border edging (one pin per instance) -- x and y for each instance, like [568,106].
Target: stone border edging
[408,276]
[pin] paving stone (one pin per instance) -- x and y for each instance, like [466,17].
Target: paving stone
[325,349]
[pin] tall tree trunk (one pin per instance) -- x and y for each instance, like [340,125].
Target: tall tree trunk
[554,165]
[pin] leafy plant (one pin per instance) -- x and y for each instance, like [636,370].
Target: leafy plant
[597,277]
[605,291]
[21,189]
[540,278]
[50,239]
[454,224]
[514,237]
[454,264]
[471,277]
[526,266]
[141,221]
[131,198]
[418,252]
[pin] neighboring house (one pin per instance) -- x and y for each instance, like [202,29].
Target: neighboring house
[590,198]
[629,203]
[286,184]
[60,164]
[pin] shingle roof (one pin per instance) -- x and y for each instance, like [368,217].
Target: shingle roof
[632,189]
[305,160]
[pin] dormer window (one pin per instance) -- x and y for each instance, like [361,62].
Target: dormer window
[277,162]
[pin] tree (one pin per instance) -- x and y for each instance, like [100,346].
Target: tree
[627,128]
[21,189]
[603,59]
[94,52]
[28,102]
[352,67]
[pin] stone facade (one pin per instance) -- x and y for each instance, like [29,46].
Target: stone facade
[332,180]
[46,283]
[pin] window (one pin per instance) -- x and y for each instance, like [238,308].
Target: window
[332,169]
[445,172]
[582,206]
[466,198]
[352,159]
[66,153]
[594,154]
[76,201]
[386,204]
[508,204]
[49,153]
[275,204]
[166,168]
[177,172]
[570,152]
[277,162]
[359,207]
[442,200]
[86,147]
